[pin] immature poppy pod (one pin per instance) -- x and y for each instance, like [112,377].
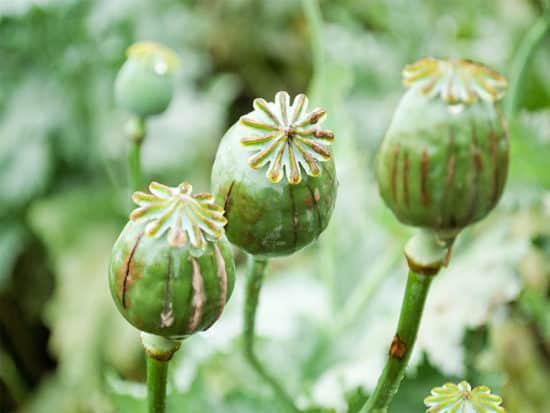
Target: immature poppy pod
[275,176]
[172,269]
[145,83]
[444,160]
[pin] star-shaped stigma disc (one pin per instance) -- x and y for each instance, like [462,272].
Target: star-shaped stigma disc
[456,81]
[187,218]
[287,138]
[461,398]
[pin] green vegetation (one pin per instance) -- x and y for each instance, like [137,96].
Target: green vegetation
[327,313]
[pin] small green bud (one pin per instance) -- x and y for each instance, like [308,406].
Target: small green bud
[172,270]
[145,83]
[444,160]
[275,176]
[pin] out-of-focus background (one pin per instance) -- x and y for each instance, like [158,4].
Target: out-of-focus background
[327,313]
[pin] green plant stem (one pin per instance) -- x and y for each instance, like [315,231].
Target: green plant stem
[159,351]
[403,343]
[156,384]
[134,165]
[256,272]
[135,130]
[526,51]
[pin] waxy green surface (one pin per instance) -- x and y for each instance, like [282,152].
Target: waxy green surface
[145,83]
[165,290]
[443,166]
[266,218]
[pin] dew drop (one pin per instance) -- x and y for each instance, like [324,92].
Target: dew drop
[456,109]
[161,68]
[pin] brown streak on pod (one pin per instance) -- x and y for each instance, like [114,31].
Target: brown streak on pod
[315,197]
[478,168]
[394,173]
[128,269]
[294,217]
[167,314]
[451,162]
[494,155]
[222,279]
[227,200]
[197,300]
[424,165]
[406,178]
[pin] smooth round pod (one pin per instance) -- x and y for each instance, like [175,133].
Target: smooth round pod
[168,276]
[443,162]
[277,210]
[144,85]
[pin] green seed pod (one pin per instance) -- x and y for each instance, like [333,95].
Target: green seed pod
[278,210]
[172,269]
[444,160]
[145,83]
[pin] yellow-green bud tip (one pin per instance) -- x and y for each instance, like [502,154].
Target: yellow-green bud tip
[160,58]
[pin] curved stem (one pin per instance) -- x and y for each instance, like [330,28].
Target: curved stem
[256,272]
[156,384]
[402,345]
[526,50]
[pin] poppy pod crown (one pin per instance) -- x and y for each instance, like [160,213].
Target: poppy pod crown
[443,162]
[275,175]
[172,269]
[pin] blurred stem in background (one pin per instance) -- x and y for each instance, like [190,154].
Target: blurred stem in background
[135,130]
[524,56]
[256,271]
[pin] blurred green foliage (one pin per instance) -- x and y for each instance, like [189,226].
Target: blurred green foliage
[327,313]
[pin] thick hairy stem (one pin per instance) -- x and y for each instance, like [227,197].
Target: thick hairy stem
[426,254]
[135,130]
[525,53]
[159,351]
[256,271]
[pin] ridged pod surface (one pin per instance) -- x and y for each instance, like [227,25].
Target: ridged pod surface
[443,162]
[145,83]
[172,269]
[276,177]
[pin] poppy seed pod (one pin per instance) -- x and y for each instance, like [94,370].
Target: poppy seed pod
[172,270]
[145,83]
[275,177]
[444,160]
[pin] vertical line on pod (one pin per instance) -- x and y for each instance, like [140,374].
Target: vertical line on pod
[424,165]
[128,268]
[227,200]
[394,174]
[197,301]
[406,178]
[504,137]
[494,154]
[316,203]
[327,171]
[294,217]
[167,314]
[478,167]
[449,177]
[222,280]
